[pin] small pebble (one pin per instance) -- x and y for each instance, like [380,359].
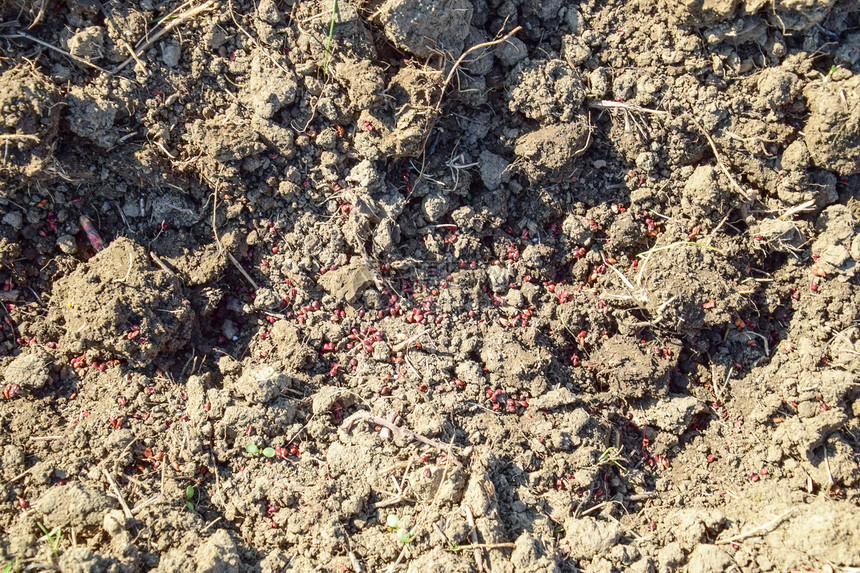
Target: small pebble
[67,244]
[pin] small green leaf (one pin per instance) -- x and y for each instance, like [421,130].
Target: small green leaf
[269,452]
[404,535]
[189,505]
[189,492]
[252,449]
[392,521]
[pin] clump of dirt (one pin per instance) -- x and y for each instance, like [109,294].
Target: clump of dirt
[426,28]
[832,132]
[30,104]
[550,153]
[120,307]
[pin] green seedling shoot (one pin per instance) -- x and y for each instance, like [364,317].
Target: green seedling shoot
[609,455]
[392,522]
[189,495]
[404,535]
[328,41]
[254,449]
[52,537]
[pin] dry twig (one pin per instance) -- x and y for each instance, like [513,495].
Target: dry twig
[208,5]
[364,415]
[750,533]
[473,535]
[14,136]
[126,511]
[624,106]
[56,49]
[719,158]
[485,546]
[221,247]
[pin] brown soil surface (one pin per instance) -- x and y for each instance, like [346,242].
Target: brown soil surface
[430,285]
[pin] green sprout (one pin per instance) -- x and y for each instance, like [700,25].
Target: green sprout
[253,449]
[10,566]
[189,495]
[404,535]
[52,537]
[609,455]
[330,34]
[392,522]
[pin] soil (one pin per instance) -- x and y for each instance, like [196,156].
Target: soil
[468,285]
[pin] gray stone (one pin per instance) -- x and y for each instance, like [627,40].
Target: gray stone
[67,244]
[30,371]
[265,299]
[670,557]
[494,170]
[170,55]
[81,559]
[218,554]
[14,219]
[553,399]
[423,27]
[499,278]
[77,505]
[261,385]
[588,536]
[576,230]
[511,52]
[436,205]
[267,11]
[88,43]
[708,559]
[674,413]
